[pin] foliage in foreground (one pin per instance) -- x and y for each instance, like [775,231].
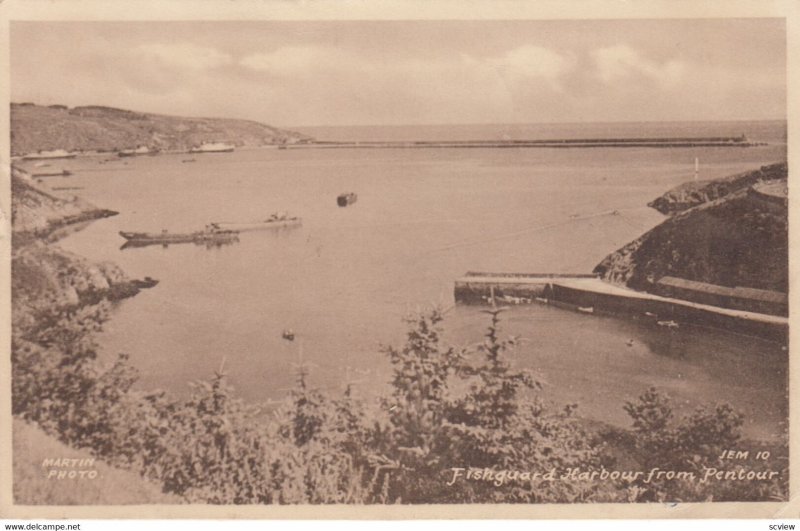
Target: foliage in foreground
[447,410]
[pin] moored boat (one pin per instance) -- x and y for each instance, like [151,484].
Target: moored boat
[212,233]
[52,173]
[272,222]
[213,147]
[54,154]
[141,150]
[346,199]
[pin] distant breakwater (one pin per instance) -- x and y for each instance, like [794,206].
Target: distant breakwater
[670,142]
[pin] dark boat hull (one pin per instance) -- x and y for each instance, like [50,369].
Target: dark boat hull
[143,238]
[346,199]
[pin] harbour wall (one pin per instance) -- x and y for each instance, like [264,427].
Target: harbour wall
[590,294]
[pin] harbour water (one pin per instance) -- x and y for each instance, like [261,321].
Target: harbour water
[344,280]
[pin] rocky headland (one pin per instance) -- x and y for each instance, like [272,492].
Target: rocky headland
[106,129]
[729,232]
[44,276]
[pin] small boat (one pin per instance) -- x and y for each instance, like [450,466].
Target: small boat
[145,283]
[211,234]
[586,309]
[288,334]
[52,173]
[213,147]
[668,324]
[141,150]
[54,154]
[542,300]
[272,222]
[346,199]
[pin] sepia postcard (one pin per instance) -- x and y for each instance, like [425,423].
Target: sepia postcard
[395,260]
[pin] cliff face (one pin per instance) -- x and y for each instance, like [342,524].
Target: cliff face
[692,194]
[34,212]
[35,128]
[44,277]
[737,239]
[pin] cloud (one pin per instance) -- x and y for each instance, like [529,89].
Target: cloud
[535,62]
[183,55]
[618,62]
[295,60]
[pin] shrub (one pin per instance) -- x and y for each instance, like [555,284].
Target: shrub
[694,444]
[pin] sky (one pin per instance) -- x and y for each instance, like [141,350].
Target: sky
[309,73]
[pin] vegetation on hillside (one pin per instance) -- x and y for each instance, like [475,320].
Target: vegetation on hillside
[726,238]
[447,413]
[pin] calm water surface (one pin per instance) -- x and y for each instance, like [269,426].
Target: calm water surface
[345,279]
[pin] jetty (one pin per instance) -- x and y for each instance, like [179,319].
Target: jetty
[583,292]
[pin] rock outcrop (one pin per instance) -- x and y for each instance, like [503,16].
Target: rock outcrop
[44,277]
[726,232]
[692,194]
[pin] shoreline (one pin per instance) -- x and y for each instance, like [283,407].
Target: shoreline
[564,143]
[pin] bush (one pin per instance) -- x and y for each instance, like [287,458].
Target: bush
[496,423]
[448,410]
[694,444]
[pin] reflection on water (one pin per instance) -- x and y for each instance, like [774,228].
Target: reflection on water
[208,244]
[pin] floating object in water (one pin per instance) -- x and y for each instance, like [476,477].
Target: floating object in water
[346,199]
[586,309]
[141,150]
[542,300]
[668,324]
[145,283]
[212,233]
[52,173]
[274,221]
[288,334]
[213,147]
[54,154]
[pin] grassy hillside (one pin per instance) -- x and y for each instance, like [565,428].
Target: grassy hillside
[36,127]
[738,239]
